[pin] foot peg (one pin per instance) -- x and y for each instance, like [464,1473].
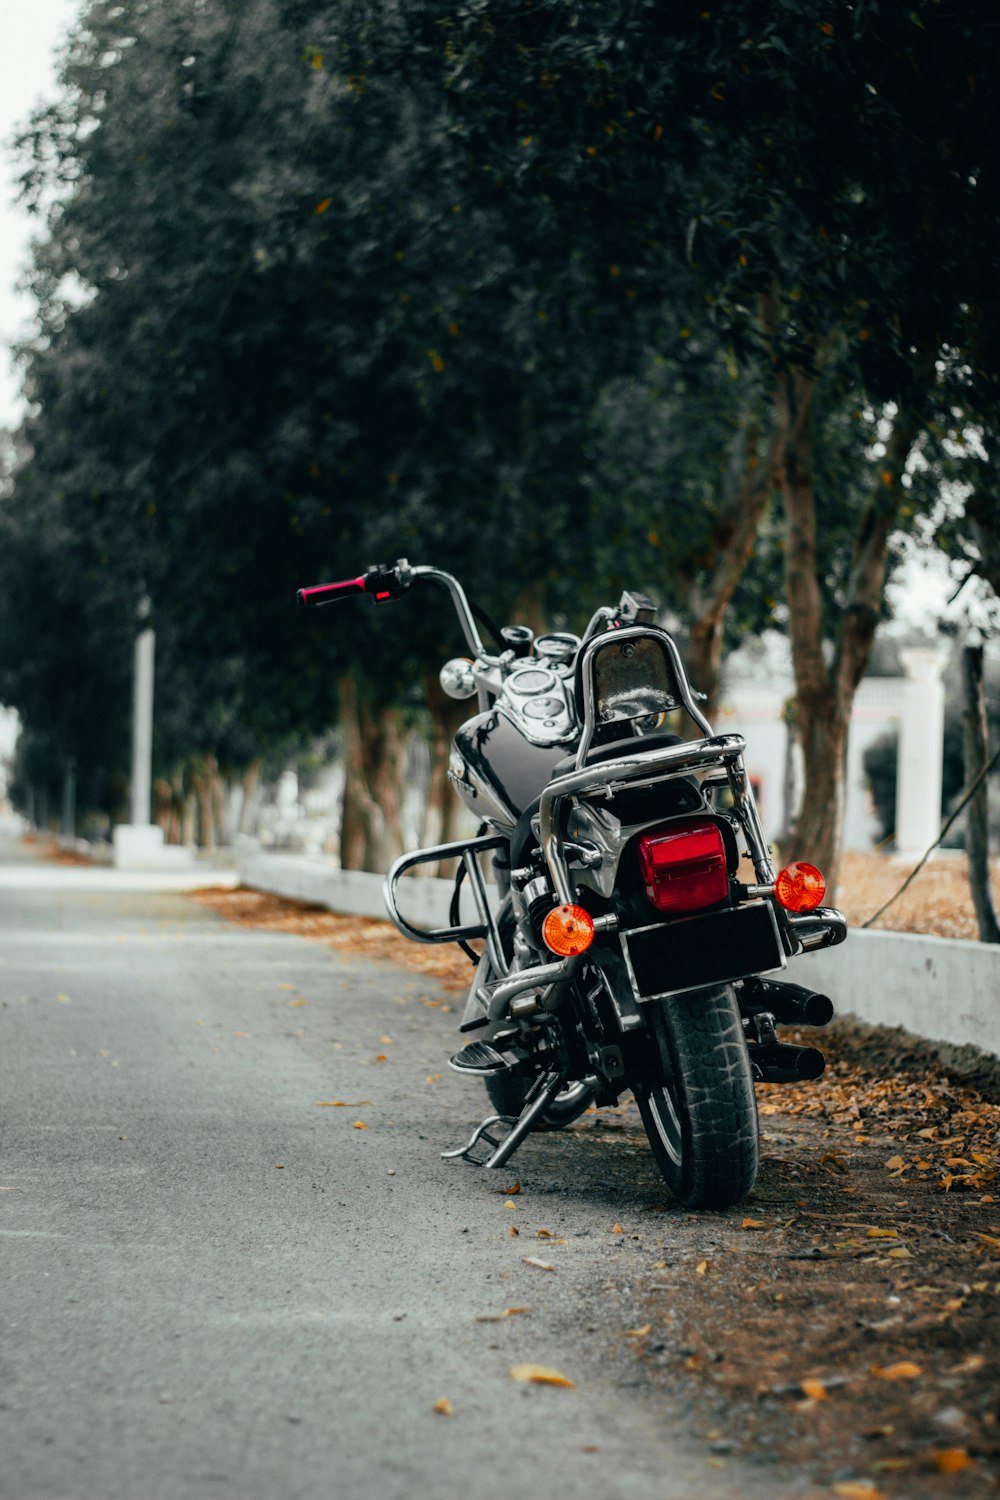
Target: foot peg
[479,1058]
[493,1132]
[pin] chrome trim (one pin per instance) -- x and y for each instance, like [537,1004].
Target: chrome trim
[649,765]
[461,603]
[468,850]
[496,997]
[823,928]
[596,643]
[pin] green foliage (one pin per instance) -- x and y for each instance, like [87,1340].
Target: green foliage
[504,288]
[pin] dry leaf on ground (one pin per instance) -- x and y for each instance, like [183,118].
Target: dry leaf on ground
[541,1375]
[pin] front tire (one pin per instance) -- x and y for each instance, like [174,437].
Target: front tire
[700,1113]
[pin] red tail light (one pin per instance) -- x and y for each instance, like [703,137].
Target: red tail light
[800,887]
[683,865]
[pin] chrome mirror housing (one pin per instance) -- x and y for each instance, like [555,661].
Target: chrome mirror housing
[457,678]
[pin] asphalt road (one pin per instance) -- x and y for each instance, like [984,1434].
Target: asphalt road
[215,1284]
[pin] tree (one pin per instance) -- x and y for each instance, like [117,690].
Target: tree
[815,180]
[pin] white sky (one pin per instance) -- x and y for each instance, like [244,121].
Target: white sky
[32,30]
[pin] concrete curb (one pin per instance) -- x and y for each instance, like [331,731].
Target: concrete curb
[944,989]
[425,902]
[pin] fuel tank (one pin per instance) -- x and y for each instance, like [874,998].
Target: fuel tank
[496,771]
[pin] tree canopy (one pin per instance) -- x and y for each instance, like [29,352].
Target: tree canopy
[558,296]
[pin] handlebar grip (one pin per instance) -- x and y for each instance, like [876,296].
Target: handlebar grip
[331,593]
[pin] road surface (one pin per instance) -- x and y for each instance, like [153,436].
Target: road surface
[235,1265]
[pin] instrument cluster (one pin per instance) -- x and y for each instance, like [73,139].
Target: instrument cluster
[538,691]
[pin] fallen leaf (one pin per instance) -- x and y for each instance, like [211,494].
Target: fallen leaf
[513,1232]
[386,1041]
[540,1265]
[543,1234]
[894,1163]
[971,1365]
[341,1103]
[540,1375]
[882,1234]
[617,1229]
[287,986]
[702,1267]
[858,1489]
[900,1253]
[510,1192]
[990,1240]
[753,1224]
[360,1125]
[444,1407]
[296,1002]
[639,1333]
[510,1203]
[905,1369]
[815,1390]
[381,1057]
[64,1000]
[950,1460]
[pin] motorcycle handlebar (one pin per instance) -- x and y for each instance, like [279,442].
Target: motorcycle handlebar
[330,593]
[382,583]
[378,582]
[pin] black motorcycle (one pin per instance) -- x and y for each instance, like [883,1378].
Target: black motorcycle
[621,951]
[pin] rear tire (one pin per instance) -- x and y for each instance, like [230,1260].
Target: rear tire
[701,1116]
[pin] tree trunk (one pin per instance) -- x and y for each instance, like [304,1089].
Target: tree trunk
[976,746]
[790,719]
[707,580]
[384,749]
[441,811]
[374,751]
[250,783]
[825,693]
[360,821]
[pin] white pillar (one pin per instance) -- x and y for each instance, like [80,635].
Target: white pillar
[921,751]
[142,728]
[139,845]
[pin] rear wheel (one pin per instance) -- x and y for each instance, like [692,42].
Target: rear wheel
[701,1115]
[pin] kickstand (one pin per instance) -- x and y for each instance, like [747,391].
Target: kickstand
[482,1133]
[539,1098]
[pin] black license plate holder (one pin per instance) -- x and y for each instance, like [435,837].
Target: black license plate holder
[668,958]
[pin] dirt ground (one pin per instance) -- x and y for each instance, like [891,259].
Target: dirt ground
[846,1319]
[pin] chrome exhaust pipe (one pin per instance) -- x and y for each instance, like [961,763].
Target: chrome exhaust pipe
[780,1062]
[789,1004]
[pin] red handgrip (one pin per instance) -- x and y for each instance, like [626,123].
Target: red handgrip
[329,593]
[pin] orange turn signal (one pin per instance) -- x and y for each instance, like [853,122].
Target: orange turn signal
[799,887]
[568,930]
